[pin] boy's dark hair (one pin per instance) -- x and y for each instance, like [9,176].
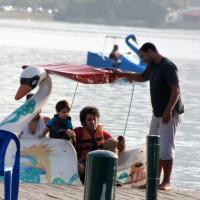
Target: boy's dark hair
[62,104]
[88,110]
[28,96]
[146,46]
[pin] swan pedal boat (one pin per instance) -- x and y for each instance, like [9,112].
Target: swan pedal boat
[54,161]
[99,60]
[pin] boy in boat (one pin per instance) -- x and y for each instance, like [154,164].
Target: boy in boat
[60,126]
[115,56]
[91,136]
[35,128]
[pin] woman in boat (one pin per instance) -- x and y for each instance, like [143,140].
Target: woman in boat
[35,128]
[91,136]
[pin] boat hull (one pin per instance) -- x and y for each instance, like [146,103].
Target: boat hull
[54,161]
[100,61]
[51,161]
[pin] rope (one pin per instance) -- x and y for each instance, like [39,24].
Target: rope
[129,111]
[74,94]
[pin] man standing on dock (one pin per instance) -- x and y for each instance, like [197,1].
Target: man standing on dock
[166,103]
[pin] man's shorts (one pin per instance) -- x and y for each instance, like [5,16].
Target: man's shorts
[167,134]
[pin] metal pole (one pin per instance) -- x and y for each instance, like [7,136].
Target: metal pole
[101,173]
[153,148]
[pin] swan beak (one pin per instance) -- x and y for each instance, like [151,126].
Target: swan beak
[22,91]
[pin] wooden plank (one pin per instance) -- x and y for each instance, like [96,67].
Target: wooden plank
[50,192]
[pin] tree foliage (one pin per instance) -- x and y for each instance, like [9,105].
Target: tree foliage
[149,12]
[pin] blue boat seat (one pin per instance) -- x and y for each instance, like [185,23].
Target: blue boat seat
[10,174]
[98,60]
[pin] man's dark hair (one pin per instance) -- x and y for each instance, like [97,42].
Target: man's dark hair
[61,105]
[88,110]
[146,46]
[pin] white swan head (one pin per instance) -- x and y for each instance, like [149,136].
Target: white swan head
[30,77]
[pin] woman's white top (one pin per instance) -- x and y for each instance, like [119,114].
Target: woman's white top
[40,127]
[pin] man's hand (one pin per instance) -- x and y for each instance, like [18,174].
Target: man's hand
[121,143]
[117,73]
[167,116]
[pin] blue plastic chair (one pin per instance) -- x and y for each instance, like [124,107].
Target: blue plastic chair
[11,174]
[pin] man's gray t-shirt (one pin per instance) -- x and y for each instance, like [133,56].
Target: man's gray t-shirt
[161,77]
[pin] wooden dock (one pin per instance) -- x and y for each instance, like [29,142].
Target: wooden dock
[50,192]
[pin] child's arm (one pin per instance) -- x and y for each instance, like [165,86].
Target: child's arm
[72,136]
[69,124]
[70,133]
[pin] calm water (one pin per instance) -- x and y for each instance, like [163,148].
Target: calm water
[26,42]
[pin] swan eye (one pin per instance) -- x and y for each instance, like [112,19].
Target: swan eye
[32,82]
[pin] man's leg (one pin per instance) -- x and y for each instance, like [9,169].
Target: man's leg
[167,150]
[167,169]
[160,169]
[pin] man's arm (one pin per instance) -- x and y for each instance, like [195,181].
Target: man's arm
[175,94]
[120,142]
[133,77]
[106,135]
[130,76]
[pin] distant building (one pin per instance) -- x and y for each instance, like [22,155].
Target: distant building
[192,15]
[189,14]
